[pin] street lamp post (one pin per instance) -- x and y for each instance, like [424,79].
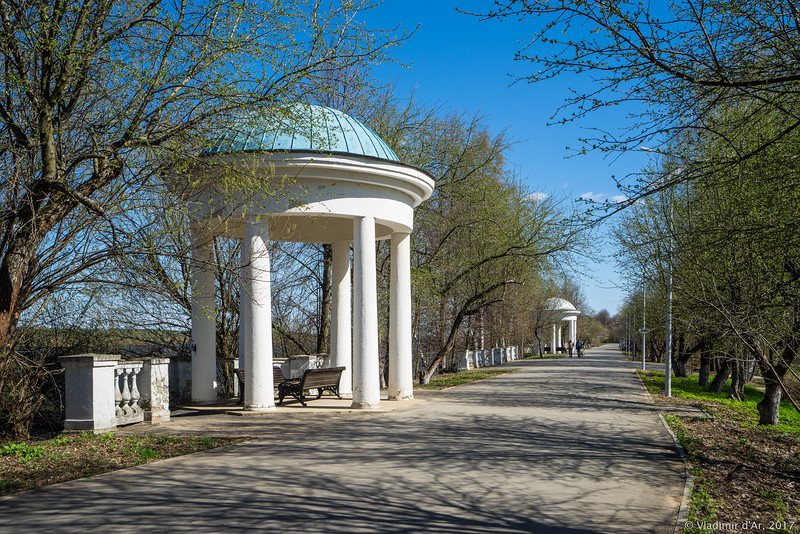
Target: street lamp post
[633,333]
[668,370]
[668,363]
[644,325]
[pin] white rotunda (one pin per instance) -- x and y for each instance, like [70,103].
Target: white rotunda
[558,310]
[307,174]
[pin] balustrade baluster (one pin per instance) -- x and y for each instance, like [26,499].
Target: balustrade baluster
[135,408]
[117,393]
[126,392]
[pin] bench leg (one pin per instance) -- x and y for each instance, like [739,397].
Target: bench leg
[332,389]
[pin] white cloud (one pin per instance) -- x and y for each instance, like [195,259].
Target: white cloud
[594,197]
[603,197]
[537,196]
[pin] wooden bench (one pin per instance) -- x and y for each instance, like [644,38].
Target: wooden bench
[277,379]
[325,379]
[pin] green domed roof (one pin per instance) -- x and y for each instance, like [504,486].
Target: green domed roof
[302,128]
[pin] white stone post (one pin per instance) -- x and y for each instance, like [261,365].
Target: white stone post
[204,324]
[574,330]
[553,345]
[89,391]
[366,382]
[401,368]
[341,351]
[258,390]
[154,390]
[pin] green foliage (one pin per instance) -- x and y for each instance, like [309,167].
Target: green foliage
[146,453]
[702,505]
[62,440]
[24,451]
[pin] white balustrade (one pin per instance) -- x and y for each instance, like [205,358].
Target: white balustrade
[474,359]
[103,391]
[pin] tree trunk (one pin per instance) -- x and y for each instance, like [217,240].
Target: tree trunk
[325,310]
[679,368]
[750,370]
[683,356]
[467,310]
[705,362]
[768,408]
[723,372]
[773,372]
[740,371]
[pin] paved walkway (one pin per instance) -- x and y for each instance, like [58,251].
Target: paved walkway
[561,446]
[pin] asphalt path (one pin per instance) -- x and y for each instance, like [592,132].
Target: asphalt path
[559,446]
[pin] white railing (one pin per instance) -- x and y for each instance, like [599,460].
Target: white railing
[474,359]
[103,391]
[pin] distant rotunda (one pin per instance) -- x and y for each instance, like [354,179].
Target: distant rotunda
[558,310]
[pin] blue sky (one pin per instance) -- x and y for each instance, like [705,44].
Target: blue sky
[468,64]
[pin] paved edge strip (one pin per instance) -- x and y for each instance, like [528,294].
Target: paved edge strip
[688,486]
[683,510]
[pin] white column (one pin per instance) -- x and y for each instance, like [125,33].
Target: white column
[341,352]
[560,335]
[244,322]
[366,382]
[244,288]
[401,369]
[258,390]
[204,325]
[573,331]
[554,344]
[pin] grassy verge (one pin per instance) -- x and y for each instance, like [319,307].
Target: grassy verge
[27,465]
[448,380]
[689,389]
[747,476]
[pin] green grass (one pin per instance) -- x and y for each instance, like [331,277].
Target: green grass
[688,388]
[448,380]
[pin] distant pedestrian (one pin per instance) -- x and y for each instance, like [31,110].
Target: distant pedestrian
[579,347]
[570,346]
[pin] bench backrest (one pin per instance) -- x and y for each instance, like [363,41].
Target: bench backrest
[325,377]
[277,375]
